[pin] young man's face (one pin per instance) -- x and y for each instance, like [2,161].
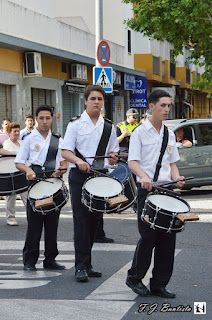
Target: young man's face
[95,102]
[160,109]
[44,121]
[29,123]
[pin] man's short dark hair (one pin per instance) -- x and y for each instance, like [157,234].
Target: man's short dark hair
[28,116]
[45,107]
[93,87]
[157,94]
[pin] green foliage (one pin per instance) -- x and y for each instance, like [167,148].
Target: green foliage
[179,22]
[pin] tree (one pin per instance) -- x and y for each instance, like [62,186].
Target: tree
[180,22]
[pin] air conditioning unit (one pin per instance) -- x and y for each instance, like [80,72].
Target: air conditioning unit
[76,71]
[84,72]
[33,64]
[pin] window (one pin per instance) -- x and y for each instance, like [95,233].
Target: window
[129,40]
[206,133]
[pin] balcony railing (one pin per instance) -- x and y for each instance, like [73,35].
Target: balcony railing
[172,70]
[188,79]
[156,66]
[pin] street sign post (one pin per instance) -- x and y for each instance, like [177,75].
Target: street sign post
[104,78]
[103,53]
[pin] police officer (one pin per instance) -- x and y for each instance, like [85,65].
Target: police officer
[125,128]
[35,148]
[81,140]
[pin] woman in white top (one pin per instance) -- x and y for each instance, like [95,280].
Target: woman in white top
[13,145]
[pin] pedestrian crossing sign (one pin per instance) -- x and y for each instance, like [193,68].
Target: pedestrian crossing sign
[104,78]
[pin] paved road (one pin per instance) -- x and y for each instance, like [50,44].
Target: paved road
[56,295]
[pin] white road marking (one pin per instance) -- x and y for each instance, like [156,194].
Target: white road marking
[115,288]
[22,284]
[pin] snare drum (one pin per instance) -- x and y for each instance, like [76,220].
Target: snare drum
[96,192]
[43,190]
[161,210]
[122,172]
[12,180]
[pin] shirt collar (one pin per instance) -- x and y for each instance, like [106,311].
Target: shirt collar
[148,125]
[35,132]
[85,117]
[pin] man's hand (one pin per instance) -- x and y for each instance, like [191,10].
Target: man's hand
[126,133]
[30,174]
[146,183]
[113,158]
[57,173]
[82,165]
[181,181]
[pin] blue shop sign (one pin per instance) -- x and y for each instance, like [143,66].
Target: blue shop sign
[129,82]
[138,97]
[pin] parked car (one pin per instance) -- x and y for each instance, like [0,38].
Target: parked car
[195,161]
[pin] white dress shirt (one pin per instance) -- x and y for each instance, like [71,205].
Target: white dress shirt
[23,132]
[83,135]
[145,146]
[34,148]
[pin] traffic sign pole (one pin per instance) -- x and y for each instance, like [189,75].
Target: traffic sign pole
[99,25]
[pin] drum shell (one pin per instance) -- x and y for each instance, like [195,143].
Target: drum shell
[60,198]
[13,183]
[96,203]
[123,173]
[161,219]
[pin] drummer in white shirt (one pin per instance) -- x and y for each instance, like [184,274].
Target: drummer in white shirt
[35,148]
[12,145]
[145,145]
[81,140]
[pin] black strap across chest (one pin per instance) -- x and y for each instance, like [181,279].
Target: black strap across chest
[50,162]
[162,151]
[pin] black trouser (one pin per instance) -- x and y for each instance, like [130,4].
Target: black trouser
[164,244]
[36,221]
[85,222]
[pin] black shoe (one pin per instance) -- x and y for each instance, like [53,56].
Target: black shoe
[138,288]
[54,265]
[81,276]
[104,240]
[94,274]
[162,292]
[29,267]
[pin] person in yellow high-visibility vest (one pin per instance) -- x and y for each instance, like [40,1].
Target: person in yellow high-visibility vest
[125,128]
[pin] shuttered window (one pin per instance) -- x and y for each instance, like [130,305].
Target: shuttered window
[5,102]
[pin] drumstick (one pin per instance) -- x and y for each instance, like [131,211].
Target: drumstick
[51,171]
[106,157]
[42,179]
[173,182]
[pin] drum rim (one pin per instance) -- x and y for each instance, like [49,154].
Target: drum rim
[97,197]
[125,166]
[34,183]
[170,195]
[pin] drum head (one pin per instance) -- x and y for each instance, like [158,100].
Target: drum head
[7,165]
[44,189]
[103,187]
[121,172]
[168,203]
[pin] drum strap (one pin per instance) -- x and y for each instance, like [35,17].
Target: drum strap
[163,148]
[98,164]
[50,162]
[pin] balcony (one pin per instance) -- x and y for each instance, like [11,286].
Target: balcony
[184,75]
[149,63]
[169,75]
